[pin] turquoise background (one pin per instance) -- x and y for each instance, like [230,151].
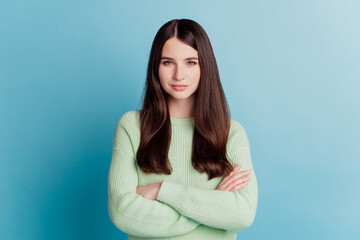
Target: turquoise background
[70,69]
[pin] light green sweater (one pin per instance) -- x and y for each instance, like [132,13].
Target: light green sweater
[188,206]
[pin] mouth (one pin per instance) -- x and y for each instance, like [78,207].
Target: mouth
[179,87]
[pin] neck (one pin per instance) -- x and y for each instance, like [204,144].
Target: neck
[181,108]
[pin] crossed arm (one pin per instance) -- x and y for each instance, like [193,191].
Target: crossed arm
[179,209]
[132,213]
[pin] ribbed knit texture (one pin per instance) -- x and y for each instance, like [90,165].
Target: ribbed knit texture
[188,206]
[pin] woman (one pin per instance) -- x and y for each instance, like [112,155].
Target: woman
[172,173]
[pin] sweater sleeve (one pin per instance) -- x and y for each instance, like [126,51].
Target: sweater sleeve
[231,211]
[132,213]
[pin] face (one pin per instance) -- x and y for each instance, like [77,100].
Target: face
[179,70]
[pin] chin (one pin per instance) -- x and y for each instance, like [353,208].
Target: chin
[181,96]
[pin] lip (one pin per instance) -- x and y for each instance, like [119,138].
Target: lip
[179,87]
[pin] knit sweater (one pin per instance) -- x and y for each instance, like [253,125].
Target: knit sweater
[188,206]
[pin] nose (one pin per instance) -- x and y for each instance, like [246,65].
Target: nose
[179,73]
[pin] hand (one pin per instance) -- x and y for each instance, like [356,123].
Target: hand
[234,181]
[149,191]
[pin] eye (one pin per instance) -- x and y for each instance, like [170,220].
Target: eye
[166,63]
[191,62]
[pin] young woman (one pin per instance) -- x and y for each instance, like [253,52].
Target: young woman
[174,172]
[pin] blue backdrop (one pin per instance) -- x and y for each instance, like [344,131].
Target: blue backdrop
[70,69]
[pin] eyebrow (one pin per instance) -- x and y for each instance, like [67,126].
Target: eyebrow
[189,58]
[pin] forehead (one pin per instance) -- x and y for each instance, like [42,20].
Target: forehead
[174,48]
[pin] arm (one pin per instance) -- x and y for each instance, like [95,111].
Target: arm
[232,211]
[130,212]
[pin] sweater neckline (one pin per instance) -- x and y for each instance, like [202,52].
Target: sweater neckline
[182,121]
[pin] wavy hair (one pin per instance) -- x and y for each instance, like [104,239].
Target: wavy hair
[211,111]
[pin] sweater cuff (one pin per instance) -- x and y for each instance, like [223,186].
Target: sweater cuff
[168,191]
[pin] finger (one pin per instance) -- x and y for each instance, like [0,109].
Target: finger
[236,181]
[236,176]
[242,174]
[233,171]
[231,179]
[238,186]
[241,180]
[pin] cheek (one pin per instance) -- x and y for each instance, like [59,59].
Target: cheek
[196,75]
[164,74]
[162,77]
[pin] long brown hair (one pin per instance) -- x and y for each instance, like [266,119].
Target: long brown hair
[211,111]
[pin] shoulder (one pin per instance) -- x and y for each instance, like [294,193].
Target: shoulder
[238,137]
[130,116]
[236,128]
[126,132]
[130,120]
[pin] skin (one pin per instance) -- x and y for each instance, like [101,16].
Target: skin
[180,65]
